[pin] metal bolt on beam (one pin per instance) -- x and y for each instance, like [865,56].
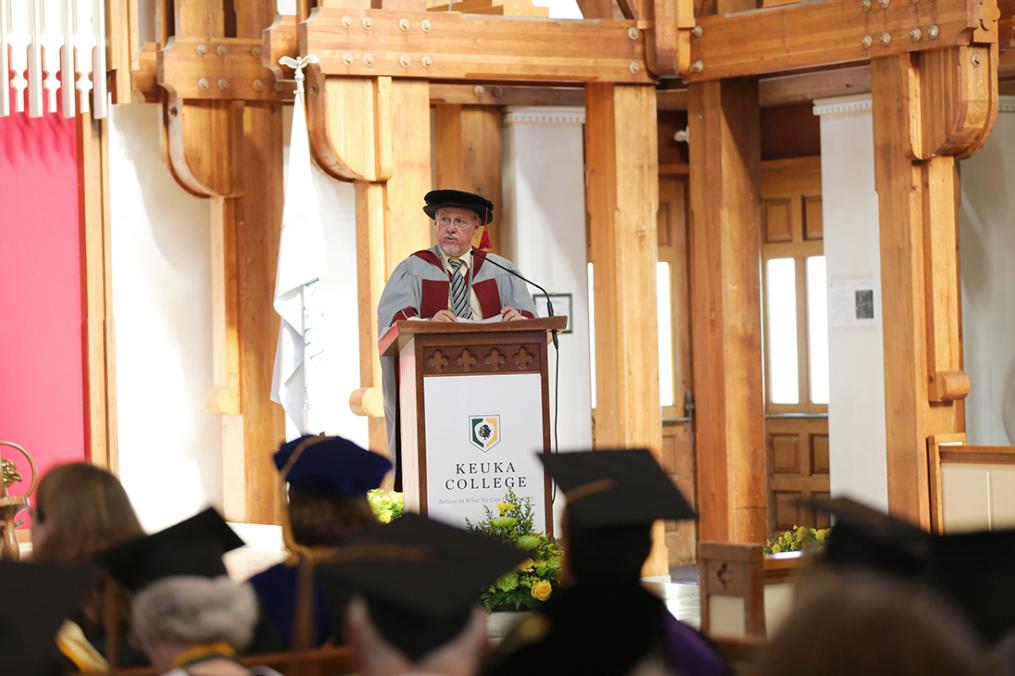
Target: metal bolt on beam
[975,59]
[634,67]
[223,83]
[202,50]
[258,86]
[347,59]
[933,32]
[404,60]
[698,66]
[915,34]
[867,42]
[367,22]
[403,24]
[479,90]
[346,22]
[426,61]
[886,39]
[221,50]
[426,25]
[202,83]
[698,31]
[368,59]
[255,52]
[884,3]
[632,33]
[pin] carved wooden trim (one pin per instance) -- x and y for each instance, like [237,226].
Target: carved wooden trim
[444,360]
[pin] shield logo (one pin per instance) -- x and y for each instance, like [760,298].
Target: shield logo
[484,431]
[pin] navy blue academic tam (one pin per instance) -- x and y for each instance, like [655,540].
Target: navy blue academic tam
[330,466]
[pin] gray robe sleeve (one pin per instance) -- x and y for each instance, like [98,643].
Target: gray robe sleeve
[402,291]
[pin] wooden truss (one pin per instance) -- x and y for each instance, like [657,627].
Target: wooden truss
[933,67]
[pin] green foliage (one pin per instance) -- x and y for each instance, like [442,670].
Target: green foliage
[387,505]
[797,538]
[535,579]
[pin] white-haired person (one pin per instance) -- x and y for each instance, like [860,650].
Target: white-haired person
[196,626]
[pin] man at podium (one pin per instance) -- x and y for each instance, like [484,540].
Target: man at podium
[451,281]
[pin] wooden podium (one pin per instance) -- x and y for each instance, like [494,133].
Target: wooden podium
[474,410]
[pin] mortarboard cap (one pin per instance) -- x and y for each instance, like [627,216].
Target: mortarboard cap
[605,489]
[865,537]
[330,466]
[192,547]
[37,598]
[421,578]
[438,199]
[972,570]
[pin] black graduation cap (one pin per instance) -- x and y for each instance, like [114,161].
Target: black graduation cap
[421,578]
[973,570]
[867,538]
[612,488]
[192,547]
[438,199]
[37,598]
[330,466]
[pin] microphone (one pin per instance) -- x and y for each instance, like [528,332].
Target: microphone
[549,305]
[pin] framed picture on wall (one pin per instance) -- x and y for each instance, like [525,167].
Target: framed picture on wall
[561,307]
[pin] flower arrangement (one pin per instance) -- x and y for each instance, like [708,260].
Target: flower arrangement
[536,578]
[387,505]
[797,538]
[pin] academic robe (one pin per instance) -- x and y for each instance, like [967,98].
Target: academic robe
[420,287]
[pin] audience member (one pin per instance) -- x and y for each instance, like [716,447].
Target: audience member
[328,479]
[417,583]
[196,626]
[81,510]
[613,498]
[864,624]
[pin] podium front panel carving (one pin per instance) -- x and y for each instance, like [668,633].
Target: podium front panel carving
[481,359]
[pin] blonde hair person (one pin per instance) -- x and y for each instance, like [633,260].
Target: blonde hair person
[195,626]
[80,511]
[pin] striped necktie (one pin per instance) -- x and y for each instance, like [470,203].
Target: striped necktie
[459,290]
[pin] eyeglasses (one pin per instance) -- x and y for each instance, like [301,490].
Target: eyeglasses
[457,221]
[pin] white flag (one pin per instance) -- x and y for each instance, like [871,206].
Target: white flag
[302,261]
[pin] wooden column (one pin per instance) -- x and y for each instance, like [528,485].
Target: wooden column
[229,149]
[927,109]
[622,198]
[388,160]
[99,337]
[468,154]
[725,180]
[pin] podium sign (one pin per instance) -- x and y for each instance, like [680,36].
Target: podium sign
[474,412]
[482,436]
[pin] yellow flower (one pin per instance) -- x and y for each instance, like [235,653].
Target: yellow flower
[541,590]
[504,507]
[526,565]
[776,549]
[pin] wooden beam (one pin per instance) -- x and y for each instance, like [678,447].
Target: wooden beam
[468,156]
[725,176]
[453,46]
[204,68]
[927,110]
[622,198]
[501,95]
[494,7]
[810,34]
[99,337]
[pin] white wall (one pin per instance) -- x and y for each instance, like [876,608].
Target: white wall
[170,457]
[544,195]
[987,246]
[856,412]
[170,446]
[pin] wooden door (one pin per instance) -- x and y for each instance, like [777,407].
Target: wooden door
[796,387]
[675,358]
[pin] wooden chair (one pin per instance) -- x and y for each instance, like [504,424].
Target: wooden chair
[743,593]
[970,487]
